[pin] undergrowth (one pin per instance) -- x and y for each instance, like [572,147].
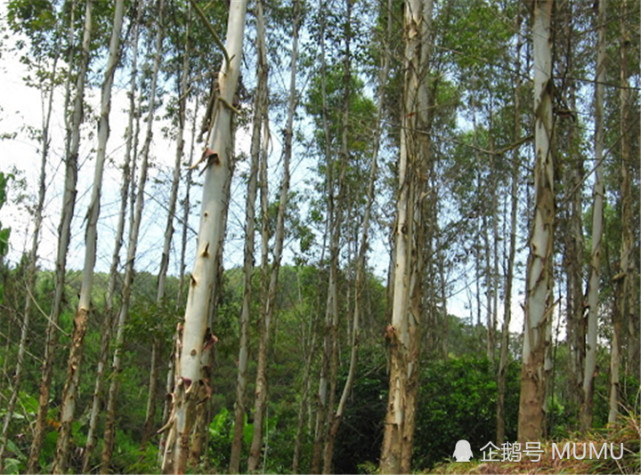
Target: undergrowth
[626,431]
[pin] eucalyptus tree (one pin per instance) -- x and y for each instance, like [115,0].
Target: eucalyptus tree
[72,147]
[47,67]
[183,74]
[597,226]
[363,243]
[403,332]
[134,230]
[333,236]
[627,297]
[195,338]
[127,174]
[476,169]
[257,153]
[336,142]
[539,303]
[70,392]
[570,194]
[269,273]
[342,139]
[513,227]
[348,142]
[196,91]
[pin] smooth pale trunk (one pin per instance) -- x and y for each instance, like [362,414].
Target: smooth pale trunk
[539,282]
[123,315]
[105,338]
[64,236]
[210,237]
[260,404]
[627,309]
[260,109]
[509,277]
[91,241]
[597,230]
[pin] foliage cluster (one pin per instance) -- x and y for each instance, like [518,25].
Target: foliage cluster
[457,394]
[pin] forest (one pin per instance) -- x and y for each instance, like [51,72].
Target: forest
[332,236]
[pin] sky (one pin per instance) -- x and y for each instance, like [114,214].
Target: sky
[21,109]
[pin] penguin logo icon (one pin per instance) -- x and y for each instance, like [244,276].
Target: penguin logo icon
[462,451]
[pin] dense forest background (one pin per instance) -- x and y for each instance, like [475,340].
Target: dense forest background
[377,200]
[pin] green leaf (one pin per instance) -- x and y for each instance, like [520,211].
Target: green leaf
[248,432]
[12,466]
[4,240]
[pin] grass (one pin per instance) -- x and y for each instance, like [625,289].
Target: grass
[627,432]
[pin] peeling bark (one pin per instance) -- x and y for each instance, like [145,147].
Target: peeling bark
[403,333]
[539,278]
[214,204]
[91,242]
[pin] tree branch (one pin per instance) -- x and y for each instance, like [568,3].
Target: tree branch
[210,27]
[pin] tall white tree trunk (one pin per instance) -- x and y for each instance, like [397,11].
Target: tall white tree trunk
[182,86]
[123,314]
[627,302]
[91,241]
[539,279]
[509,275]
[64,237]
[402,334]
[597,229]
[269,273]
[361,258]
[210,238]
[107,327]
[260,110]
